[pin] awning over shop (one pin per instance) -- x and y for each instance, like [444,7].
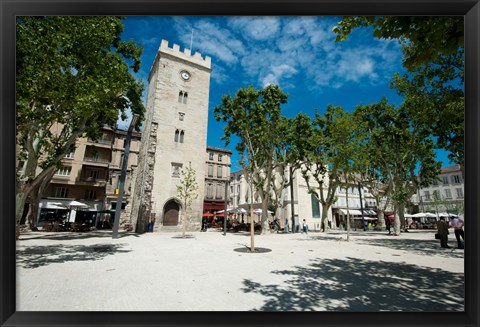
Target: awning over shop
[352,212]
[369,212]
[54,206]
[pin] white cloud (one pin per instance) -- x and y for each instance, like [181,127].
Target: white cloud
[256,28]
[277,73]
[273,50]
[209,38]
[219,74]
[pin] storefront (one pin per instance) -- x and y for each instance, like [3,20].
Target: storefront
[67,210]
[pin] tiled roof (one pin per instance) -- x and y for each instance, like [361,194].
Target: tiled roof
[213,148]
[450,169]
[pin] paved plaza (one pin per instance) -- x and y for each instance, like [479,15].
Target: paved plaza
[210,272]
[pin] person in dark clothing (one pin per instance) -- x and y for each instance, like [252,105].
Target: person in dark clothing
[388,224]
[457,225]
[442,228]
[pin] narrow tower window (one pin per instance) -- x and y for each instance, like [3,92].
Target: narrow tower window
[182,97]
[179,134]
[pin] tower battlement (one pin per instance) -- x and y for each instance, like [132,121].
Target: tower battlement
[186,54]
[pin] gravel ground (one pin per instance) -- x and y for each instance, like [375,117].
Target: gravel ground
[211,272]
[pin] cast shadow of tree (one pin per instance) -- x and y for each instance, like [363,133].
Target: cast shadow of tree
[37,256]
[354,285]
[65,236]
[418,247]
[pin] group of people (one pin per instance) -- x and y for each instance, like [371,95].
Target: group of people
[442,231]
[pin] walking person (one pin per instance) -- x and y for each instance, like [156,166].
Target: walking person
[442,228]
[388,224]
[457,225]
[305,227]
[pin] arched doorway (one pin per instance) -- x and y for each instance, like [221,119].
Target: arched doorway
[170,213]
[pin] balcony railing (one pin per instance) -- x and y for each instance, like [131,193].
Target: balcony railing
[97,160]
[101,141]
[92,180]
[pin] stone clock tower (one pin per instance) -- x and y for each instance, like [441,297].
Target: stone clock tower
[174,135]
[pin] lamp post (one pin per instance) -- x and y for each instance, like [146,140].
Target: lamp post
[121,182]
[225,209]
[422,203]
[361,204]
[292,198]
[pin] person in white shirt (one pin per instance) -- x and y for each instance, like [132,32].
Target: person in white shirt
[305,227]
[457,225]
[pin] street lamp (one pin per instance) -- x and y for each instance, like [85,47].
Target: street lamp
[121,182]
[361,205]
[225,209]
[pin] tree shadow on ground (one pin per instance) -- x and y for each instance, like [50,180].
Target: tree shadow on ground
[37,256]
[354,285]
[418,247]
[64,236]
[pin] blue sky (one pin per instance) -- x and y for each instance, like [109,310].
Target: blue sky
[297,53]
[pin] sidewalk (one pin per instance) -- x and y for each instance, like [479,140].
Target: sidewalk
[208,272]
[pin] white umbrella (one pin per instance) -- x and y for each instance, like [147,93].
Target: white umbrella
[76,204]
[430,215]
[446,214]
[240,210]
[55,207]
[407,215]
[419,215]
[259,211]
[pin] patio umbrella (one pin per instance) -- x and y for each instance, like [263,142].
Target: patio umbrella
[54,206]
[208,214]
[419,215]
[259,211]
[75,204]
[240,210]
[446,214]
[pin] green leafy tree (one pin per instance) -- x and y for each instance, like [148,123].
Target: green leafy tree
[424,39]
[348,155]
[187,191]
[405,159]
[254,116]
[379,191]
[284,160]
[296,141]
[433,54]
[435,99]
[73,76]
[321,148]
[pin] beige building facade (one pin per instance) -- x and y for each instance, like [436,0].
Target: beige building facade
[217,176]
[90,175]
[174,136]
[446,194]
[305,205]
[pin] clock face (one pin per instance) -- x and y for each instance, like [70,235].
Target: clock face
[185,75]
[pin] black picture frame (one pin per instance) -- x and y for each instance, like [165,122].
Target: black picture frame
[9,9]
